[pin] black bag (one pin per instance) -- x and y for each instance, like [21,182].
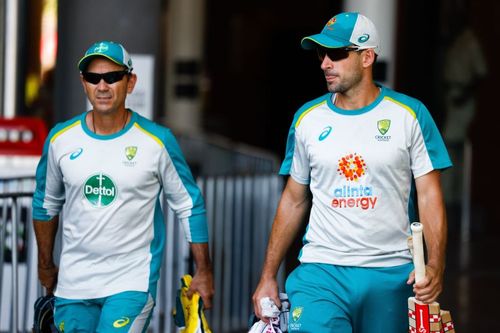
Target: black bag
[43,321]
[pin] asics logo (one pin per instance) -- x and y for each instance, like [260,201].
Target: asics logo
[76,153]
[121,322]
[326,131]
[363,38]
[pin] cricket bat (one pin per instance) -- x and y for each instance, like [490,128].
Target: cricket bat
[424,318]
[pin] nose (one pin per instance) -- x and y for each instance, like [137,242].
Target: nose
[102,85]
[326,63]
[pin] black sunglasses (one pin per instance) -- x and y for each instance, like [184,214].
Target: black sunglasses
[109,77]
[335,54]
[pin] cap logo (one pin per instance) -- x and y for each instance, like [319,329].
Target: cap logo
[101,48]
[363,38]
[330,23]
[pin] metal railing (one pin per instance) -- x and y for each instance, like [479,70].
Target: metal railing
[240,213]
[16,252]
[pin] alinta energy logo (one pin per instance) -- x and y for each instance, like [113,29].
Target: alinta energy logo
[100,190]
[353,168]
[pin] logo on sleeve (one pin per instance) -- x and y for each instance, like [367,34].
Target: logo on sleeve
[100,190]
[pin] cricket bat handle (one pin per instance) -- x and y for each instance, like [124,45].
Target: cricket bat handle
[418,250]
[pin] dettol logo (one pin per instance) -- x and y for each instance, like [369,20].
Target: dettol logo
[100,190]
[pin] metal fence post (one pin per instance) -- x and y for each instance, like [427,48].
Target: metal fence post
[15,315]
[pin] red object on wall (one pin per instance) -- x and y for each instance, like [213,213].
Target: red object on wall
[22,136]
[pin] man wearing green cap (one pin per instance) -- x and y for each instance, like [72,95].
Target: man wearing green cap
[106,171]
[361,150]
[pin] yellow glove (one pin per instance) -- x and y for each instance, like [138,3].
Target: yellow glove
[188,314]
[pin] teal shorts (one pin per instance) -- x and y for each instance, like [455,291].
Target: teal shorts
[342,299]
[128,311]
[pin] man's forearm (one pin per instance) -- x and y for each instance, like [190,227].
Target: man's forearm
[201,255]
[435,231]
[433,217]
[290,216]
[292,209]
[45,232]
[203,278]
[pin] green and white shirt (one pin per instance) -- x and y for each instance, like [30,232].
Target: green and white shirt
[107,189]
[360,165]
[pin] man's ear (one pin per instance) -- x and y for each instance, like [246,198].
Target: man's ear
[132,80]
[83,83]
[369,57]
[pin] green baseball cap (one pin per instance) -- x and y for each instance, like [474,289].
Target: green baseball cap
[107,49]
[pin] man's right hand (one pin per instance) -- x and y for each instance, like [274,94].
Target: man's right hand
[267,287]
[48,277]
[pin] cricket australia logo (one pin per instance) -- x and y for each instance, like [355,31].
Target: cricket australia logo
[296,313]
[102,47]
[100,190]
[383,127]
[130,152]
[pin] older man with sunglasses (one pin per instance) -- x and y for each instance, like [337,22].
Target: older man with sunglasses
[361,150]
[105,171]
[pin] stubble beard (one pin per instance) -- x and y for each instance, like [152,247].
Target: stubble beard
[345,83]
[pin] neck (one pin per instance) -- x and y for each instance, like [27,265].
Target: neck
[106,124]
[358,97]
